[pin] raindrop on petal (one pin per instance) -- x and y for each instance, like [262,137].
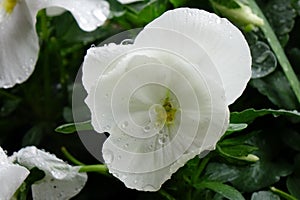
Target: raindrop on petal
[147,128]
[149,188]
[127,41]
[124,124]
[108,156]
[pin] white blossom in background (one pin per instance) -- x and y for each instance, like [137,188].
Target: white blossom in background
[11,176]
[61,181]
[129,1]
[19,44]
[164,99]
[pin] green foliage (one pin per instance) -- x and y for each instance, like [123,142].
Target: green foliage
[177,3]
[73,127]
[281,16]
[264,61]
[266,195]
[223,189]
[231,4]
[278,90]
[249,115]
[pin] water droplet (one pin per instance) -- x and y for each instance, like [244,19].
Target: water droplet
[119,157]
[127,41]
[124,124]
[106,95]
[218,20]
[149,188]
[150,146]
[93,46]
[108,156]
[31,61]
[162,131]
[123,176]
[107,128]
[163,139]
[135,181]
[19,80]
[126,145]
[147,128]
[6,85]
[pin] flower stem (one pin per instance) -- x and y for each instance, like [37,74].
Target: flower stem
[100,168]
[70,157]
[165,194]
[279,52]
[9,95]
[282,194]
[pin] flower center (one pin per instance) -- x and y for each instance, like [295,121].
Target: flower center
[9,5]
[170,111]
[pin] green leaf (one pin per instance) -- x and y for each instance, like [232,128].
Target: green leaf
[293,184]
[278,50]
[292,139]
[260,174]
[249,115]
[239,152]
[263,60]
[9,106]
[265,195]
[277,89]
[231,4]
[143,13]
[296,5]
[281,17]
[293,181]
[73,127]
[223,189]
[220,172]
[235,127]
[178,3]
[33,136]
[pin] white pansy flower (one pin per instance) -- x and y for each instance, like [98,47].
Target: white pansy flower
[164,99]
[18,38]
[61,181]
[129,1]
[11,176]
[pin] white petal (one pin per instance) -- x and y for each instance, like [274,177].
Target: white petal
[64,188]
[128,1]
[89,14]
[97,60]
[222,41]
[11,176]
[61,181]
[19,46]
[203,115]
[100,60]
[54,11]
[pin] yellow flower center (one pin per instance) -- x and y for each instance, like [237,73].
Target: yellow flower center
[9,5]
[170,111]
